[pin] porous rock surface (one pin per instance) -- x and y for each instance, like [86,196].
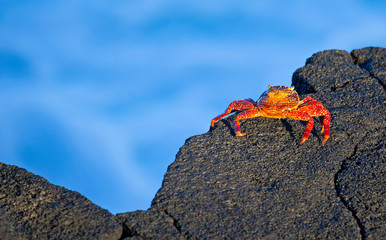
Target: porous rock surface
[265,186]
[33,208]
[260,186]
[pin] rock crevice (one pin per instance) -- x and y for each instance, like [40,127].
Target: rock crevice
[361,227]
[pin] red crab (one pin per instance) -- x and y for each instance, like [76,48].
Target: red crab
[280,102]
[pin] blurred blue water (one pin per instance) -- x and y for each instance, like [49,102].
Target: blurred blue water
[98,96]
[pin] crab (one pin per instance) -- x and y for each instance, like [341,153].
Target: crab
[280,102]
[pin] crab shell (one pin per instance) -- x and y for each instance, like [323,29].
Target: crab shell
[276,100]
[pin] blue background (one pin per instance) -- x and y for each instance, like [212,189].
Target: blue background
[98,95]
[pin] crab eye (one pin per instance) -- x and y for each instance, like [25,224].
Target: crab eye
[269,86]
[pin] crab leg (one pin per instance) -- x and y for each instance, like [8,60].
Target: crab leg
[244,115]
[235,106]
[308,101]
[325,122]
[305,117]
[317,109]
[303,114]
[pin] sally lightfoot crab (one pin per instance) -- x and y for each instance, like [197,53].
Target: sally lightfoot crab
[280,102]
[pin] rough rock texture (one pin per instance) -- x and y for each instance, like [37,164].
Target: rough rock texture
[266,186]
[32,208]
[261,186]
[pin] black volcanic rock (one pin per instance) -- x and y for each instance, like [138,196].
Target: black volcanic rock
[32,208]
[260,186]
[266,186]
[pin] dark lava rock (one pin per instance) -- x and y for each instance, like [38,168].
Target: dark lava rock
[260,186]
[266,186]
[32,208]
[158,224]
